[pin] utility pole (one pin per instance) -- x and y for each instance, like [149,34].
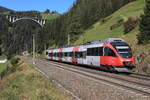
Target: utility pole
[33,48]
[68,39]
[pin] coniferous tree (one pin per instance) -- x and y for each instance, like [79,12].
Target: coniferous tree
[81,16]
[144,36]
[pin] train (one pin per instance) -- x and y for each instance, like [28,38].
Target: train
[112,54]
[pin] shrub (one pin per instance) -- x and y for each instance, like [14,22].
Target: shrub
[119,23]
[104,20]
[130,24]
[10,67]
[115,26]
[14,60]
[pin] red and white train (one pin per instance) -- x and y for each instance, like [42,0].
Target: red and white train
[112,54]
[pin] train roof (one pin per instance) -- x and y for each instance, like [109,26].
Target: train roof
[108,40]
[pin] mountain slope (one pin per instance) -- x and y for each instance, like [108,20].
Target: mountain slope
[50,16]
[101,30]
[3,9]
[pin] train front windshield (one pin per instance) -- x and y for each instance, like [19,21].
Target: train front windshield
[123,49]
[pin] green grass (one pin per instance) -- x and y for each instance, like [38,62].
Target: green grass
[28,84]
[50,16]
[2,57]
[3,67]
[101,31]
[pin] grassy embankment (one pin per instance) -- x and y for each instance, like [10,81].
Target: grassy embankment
[25,83]
[2,57]
[101,30]
[2,66]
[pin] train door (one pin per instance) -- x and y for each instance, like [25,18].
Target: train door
[89,56]
[92,56]
[79,56]
[84,55]
[110,58]
[96,58]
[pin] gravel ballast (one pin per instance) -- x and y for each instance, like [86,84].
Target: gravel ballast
[86,88]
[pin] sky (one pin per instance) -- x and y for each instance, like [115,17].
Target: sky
[60,6]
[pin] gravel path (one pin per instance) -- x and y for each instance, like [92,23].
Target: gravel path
[87,88]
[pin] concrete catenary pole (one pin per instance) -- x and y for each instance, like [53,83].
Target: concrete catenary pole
[68,39]
[33,48]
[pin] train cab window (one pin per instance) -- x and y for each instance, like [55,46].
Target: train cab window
[123,49]
[109,52]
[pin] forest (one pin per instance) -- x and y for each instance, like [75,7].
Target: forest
[81,16]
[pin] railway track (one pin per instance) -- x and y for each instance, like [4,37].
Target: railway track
[111,79]
[138,87]
[140,76]
[96,70]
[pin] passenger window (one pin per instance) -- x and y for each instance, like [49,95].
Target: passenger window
[89,51]
[100,51]
[76,54]
[66,54]
[96,53]
[56,54]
